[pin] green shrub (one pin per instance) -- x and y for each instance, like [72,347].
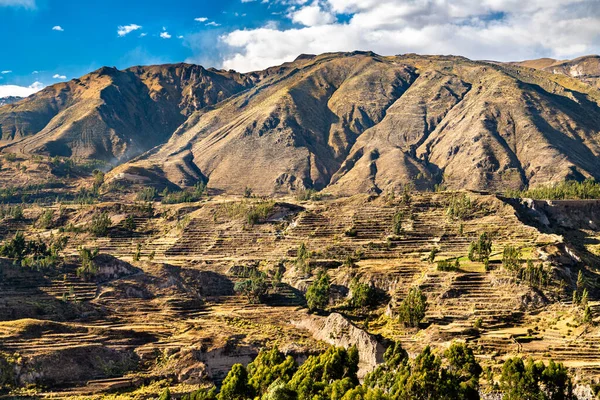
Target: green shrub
[448,265]
[459,207]
[397,223]
[45,220]
[534,380]
[254,288]
[259,212]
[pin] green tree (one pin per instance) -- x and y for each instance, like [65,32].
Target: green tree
[481,249]
[317,294]
[534,380]
[254,288]
[397,223]
[413,307]
[165,395]
[511,259]
[463,371]
[270,366]
[88,268]
[303,258]
[100,224]
[235,386]
[363,295]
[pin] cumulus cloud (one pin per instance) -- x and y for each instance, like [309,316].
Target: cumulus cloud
[201,19]
[165,35]
[123,30]
[7,71]
[20,91]
[479,29]
[58,76]
[58,28]
[312,15]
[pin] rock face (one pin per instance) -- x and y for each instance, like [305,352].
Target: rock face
[344,122]
[586,68]
[338,331]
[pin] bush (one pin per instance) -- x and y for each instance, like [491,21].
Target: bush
[317,295]
[259,212]
[12,212]
[302,258]
[413,307]
[235,386]
[129,223]
[448,265]
[100,224]
[185,196]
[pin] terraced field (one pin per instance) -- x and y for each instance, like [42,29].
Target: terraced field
[162,305]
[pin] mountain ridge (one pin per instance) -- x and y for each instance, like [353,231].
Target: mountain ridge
[344,122]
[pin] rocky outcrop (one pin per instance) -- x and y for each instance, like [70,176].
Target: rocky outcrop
[338,331]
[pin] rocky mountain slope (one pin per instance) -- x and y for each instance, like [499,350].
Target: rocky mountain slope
[358,122]
[344,122]
[9,100]
[113,115]
[585,68]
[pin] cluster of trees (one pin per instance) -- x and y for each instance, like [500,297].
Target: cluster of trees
[452,375]
[448,265]
[460,207]
[88,268]
[255,287]
[397,223]
[13,212]
[481,249]
[34,253]
[588,189]
[580,298]
[196,193]
[535,275]
[303,258]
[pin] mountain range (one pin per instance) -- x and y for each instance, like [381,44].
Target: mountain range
[343,122]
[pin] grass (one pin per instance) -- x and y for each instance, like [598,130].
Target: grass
[570,190]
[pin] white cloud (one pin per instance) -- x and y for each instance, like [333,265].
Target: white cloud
[5,72]
[20,91]
[165,35]
[123,30]
[312,15]
[213,23]
[479,29]
[58,76]
[180,37]
[58,28]
[35,72]
[143,34]
[201,19]
[18,3]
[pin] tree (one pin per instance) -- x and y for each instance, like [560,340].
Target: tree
[129,223]
[235,386]
[165,395]
[317,295]
[302,258]
[463,371]
[100,224]
[397,222]
[88,268]
[413,307]
[15,248]
[363,295]
[587,315]
[534,380]
[481,249]
[270,366]
[254,288]
[511,259]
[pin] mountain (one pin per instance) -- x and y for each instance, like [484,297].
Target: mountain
[586,68]
[113,115]
[343,122]
[359,122]
[9,100]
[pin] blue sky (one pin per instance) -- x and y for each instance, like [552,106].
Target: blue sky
[88,35]
[47,41]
